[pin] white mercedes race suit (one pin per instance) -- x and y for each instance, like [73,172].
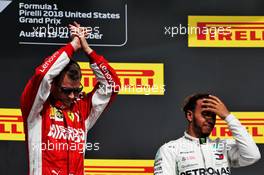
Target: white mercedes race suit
[189,156]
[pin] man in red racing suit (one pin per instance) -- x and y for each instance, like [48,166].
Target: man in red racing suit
[57,116]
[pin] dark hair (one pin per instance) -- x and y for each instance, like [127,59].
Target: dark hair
[72,70]
[190,101]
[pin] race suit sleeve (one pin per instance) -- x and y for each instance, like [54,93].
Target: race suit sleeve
[165,162]
[38,87]
[105,90]
[243,151]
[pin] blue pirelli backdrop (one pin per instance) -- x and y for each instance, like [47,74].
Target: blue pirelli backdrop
[157,55]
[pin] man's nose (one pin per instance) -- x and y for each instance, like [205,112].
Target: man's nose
[71,95]
[209,118]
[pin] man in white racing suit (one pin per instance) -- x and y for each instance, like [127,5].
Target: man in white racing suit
[195,153]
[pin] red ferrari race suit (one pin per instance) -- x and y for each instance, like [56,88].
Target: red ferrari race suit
[56,135]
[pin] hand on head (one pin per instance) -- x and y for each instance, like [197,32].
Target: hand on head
[215,105]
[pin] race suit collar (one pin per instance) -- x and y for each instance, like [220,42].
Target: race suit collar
[201,140]
[59,104]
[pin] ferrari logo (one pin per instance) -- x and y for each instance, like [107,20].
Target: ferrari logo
[71,116]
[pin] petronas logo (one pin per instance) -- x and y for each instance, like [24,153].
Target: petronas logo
[202,140]
[4,4]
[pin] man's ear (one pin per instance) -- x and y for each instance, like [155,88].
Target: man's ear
[189,116]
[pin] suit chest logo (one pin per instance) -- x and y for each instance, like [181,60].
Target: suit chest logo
[57,115]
